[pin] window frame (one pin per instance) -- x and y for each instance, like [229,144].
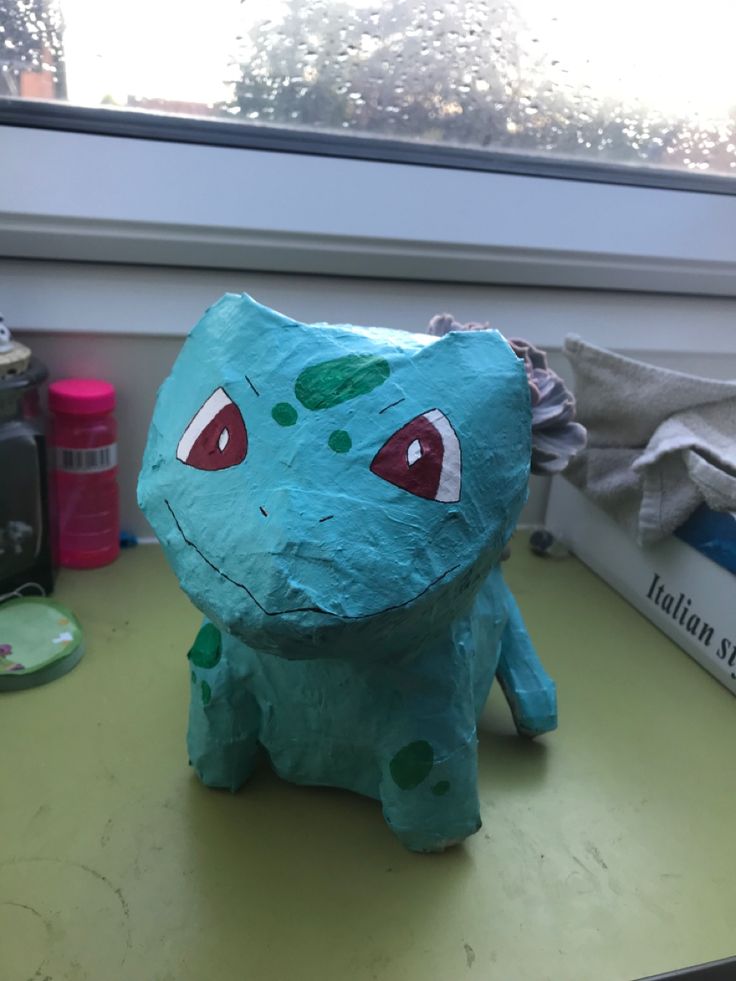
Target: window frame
[221,131]
[166,194]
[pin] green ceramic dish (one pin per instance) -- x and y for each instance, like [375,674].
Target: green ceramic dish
[39,641]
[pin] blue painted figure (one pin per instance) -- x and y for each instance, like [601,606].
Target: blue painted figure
[335,500]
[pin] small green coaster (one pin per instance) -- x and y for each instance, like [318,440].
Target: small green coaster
[39,641]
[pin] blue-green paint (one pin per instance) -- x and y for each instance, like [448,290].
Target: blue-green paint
[206,649]
[412,764]
[440,788]
[284,414]
[357,651]
[339,441]
[329,383]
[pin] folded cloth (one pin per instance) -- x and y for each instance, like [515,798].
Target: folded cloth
[660,442]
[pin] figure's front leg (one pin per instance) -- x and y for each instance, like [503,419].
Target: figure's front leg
[429,757]
[224,717]
[430,796]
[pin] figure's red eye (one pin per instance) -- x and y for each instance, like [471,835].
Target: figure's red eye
[216,438]
[423,457]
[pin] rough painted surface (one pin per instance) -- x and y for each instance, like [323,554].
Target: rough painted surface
[412,764]
[324,385]
[206,649]
[284,414]
[339,441]
[358,542]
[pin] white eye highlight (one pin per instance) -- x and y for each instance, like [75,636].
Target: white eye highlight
[413,452]
[223,440]
[218,401]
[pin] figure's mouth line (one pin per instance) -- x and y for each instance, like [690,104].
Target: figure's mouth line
[299,609]
[240,585]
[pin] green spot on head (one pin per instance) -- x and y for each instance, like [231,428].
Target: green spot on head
[206,649]
[339,441]
[441,788]
[206,693]
[329,383]
[412,764]
[284,414]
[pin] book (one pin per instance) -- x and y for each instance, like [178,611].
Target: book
[713,533]
[689,597]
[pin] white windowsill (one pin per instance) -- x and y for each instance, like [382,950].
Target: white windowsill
[107,199]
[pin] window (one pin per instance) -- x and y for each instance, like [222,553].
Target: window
[149,132]
[637,84]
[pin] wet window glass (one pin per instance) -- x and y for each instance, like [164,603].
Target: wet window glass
[645,83]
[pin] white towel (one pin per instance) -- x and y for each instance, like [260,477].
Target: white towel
[660,442]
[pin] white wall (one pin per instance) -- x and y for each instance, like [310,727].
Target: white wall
[126,324]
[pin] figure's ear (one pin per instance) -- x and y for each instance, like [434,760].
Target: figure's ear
[479,367]
[235,314]
[480,385]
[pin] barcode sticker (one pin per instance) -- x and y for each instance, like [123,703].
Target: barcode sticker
[87,461]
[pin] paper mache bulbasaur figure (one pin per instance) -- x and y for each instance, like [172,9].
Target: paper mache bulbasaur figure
[336,500]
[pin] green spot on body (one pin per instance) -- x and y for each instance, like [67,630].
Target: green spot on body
[441,788]
[331,382]
[206,693]
[207,647]
[194,678]
[284,414]
[412,764]
[339,441]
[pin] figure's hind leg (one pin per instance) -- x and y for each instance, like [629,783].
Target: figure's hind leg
[528,688]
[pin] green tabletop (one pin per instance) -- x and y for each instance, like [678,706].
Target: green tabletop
[607,849]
